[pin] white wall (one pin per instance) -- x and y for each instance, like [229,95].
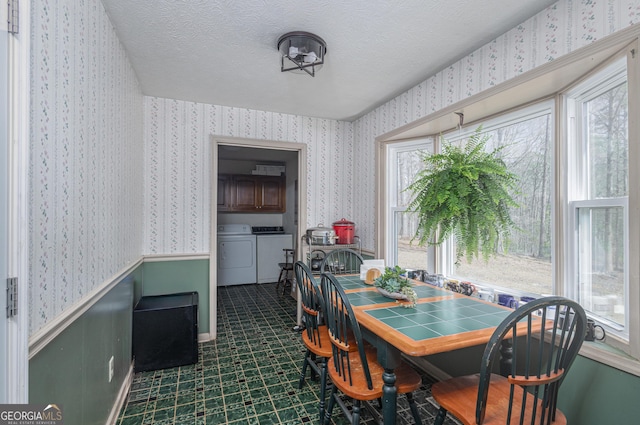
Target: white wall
[85,174]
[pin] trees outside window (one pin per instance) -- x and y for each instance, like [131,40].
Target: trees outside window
[573,155]
[404,163]
[599,109]
[523,263]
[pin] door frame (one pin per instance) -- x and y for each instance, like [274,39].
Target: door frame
[216,141]
[4,197]
[18,118]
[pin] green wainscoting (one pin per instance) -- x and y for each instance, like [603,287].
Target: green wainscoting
[592,394]
[595,394]
[73,369]
[168,277]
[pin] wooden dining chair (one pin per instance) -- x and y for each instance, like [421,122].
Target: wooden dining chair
[315,335]
[353,368]
[342,261]
[540,360]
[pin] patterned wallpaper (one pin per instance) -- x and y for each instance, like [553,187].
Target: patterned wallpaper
[86,156]
[89,185]
[178,161]
[341,163]
[560,29]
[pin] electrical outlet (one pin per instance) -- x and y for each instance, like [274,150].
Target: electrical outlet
[110,368]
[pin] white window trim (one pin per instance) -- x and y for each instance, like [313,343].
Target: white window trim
[572,290]
[601,79]
[521,114]
[530,87]
[611,75]
[447,250]
[392,151]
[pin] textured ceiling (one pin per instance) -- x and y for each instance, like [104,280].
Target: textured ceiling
[223,52]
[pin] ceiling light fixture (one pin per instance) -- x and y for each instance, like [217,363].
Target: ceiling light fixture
[301,51]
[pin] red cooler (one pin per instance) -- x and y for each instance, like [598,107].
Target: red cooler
[345,231]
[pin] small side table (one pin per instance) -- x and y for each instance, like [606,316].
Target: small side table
[165,331]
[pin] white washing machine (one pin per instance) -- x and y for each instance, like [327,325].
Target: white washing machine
[236,262]
[269,254]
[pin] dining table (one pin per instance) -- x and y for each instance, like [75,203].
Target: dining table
[441,321]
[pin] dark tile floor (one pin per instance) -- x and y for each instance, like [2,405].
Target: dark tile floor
[248,375]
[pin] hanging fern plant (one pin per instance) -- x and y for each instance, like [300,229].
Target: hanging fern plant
[464,192]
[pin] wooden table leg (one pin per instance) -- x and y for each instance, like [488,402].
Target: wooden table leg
[389,397]
[389,357]
[506,357]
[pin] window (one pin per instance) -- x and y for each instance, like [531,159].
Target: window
[527,137]
[598,116]
[523,266]
[577,235]
[404,163]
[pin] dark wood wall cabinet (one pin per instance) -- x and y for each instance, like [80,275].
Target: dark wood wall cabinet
[251,193]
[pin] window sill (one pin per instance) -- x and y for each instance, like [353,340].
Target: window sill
[610,356]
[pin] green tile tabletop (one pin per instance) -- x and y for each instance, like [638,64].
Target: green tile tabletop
[441,321]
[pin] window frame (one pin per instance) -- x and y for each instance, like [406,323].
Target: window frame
[618,68]
[550,81]
[529,112]
[427,143]
[573,290]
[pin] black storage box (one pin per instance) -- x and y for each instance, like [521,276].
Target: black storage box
[165,331]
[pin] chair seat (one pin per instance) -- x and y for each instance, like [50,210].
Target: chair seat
[322,347]
[407,379]
[459,395]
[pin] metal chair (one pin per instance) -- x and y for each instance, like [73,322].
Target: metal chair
[286,270]
[342,261]
[354,369]
[315,335]
[540,360]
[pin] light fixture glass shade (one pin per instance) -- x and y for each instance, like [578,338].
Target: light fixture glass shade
[301,51]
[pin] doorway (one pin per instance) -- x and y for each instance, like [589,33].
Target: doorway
[4,208]
[15,57]
[293,219]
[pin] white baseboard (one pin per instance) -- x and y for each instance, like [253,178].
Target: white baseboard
[153,258]
[122,397]
[204,337]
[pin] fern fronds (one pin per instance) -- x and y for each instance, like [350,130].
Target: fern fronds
[464,192]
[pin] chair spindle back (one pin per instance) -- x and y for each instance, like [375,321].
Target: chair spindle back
[344,331]
[539,359]
[342,261]
[311,301]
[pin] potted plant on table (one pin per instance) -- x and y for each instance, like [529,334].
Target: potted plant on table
[394,284]
[464,192]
